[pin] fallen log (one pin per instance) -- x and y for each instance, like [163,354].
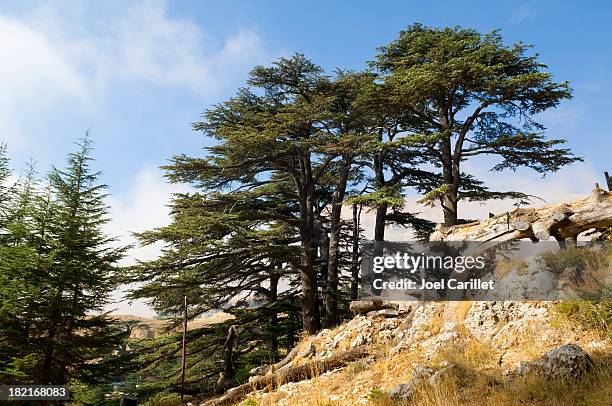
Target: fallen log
[294,353]
[562,221]
[365,306]
[293,374]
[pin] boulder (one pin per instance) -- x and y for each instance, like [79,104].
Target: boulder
[404,391]
[568,362]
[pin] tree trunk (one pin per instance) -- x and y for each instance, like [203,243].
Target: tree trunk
[379,176]
[292,374]
[450,170]
[379,236]
[355,253]
[273,317]
[449,206]
[331,293]
[231,341]
[309,295]
[381,221]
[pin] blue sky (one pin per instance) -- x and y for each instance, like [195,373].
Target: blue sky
[138,73]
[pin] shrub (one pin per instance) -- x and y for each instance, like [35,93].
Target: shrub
[594,315]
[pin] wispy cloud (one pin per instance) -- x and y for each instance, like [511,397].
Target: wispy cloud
[58,56]
[142,207]
[524,12]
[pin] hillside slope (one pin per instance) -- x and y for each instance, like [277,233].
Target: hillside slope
[450,353]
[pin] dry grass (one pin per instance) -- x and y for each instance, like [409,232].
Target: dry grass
[462,310]
[476,379]
[595,389]
[468,354]
[435,324]
[466,386]
[502,268]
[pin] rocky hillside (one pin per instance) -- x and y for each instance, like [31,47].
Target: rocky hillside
[448,353]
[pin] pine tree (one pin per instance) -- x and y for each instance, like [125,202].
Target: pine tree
[58,269]
[82,271]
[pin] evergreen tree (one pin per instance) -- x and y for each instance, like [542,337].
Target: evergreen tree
[276,130]
[58,269]
[223,251]
[5,188]
[82,271]
[465,94]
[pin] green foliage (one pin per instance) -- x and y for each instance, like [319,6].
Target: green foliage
[377,395]
[389,196]
[56,273]
[295,146]
[249,402]
[262,236]
[465,94]
[593,310]
[81,395]
[593,260]
[595,315]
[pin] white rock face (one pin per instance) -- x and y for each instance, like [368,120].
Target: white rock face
[485,320]
[533,281]
[509,330]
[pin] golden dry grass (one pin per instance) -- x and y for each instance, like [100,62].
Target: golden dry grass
[467,386]
[476,379]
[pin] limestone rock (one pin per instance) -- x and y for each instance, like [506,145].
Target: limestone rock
[440,375]
[568,362]
[404,391]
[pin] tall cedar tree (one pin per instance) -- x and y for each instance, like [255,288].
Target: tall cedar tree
[224,251]
[276,129]
[392,163]
[467,94]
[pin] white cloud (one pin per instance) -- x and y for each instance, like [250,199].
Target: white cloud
[142,207]
[32,76]
[80,53]
[523,13]
[68,59]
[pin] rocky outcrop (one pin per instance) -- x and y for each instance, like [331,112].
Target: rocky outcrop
[568,362]
[497,321]
[416,340]
[404,391]
[366,306]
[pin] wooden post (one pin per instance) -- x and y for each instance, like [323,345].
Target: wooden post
[608,181]
[184,352]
